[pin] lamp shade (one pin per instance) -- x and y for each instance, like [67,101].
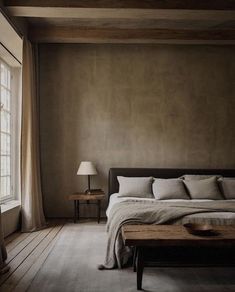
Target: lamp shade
[86,168]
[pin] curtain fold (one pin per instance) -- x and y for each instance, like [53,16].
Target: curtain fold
[32,208]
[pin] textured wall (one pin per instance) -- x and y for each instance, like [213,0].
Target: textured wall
[133,106]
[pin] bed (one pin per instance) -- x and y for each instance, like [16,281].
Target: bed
[132,210]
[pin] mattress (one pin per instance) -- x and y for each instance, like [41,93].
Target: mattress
[216,218]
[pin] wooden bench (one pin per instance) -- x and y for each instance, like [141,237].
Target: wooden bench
[149,238]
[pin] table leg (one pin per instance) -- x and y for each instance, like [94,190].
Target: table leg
[139,267]
[78,210]
[98,211]
[75,211]
[134,258]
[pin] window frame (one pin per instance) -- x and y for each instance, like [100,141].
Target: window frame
[12,135]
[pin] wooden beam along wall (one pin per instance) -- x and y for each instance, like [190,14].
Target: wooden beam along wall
[138,4]
[120,13]
[96,35]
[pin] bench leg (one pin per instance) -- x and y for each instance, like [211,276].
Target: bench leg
[98,211]
[139,267]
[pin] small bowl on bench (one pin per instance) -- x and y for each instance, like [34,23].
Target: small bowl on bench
[200,229]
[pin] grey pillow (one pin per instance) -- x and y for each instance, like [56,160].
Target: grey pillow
[165,189]
[204,189]
[135,186]
[198,176]
[228,187]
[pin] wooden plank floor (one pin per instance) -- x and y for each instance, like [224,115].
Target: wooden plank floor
[26,254]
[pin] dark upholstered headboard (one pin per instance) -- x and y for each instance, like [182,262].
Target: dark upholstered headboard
[160,173]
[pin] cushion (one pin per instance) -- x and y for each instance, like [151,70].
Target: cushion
[228,187]
[165,189]
[204,189]
[198,176]
[135,186]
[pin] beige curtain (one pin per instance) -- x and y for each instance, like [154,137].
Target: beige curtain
[32,209]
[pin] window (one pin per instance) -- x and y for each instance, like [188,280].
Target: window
[8,128]
[10,111]
[6,189]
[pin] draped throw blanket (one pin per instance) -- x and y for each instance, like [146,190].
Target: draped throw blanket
[32,210]
[154,212]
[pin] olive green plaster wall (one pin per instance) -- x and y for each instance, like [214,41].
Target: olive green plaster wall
[132,106]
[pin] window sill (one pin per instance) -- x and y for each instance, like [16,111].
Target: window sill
[7,206]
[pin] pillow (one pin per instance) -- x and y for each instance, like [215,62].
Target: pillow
[171,188]
[135,186]
[228,187]
[204,189]
[198,176]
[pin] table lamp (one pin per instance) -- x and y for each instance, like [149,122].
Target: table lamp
[87,168]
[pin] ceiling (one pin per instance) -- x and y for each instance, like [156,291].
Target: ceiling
[134,21]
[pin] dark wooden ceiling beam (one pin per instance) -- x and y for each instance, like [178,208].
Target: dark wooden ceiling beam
[94,35]
[125,10]
[121,13]
[135,4]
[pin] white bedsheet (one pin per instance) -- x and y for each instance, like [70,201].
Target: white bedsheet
[213,215]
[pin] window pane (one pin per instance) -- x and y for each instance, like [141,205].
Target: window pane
[8,191]
[6,99]
[5,144]
[5,165]
[8,144]
[8,79]
[3,95]
[5,121]
[7,104]
[5,186]
[5,76]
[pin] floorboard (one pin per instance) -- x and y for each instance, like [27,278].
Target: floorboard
[12,237]
[64,257]
[12,253]
[13,240]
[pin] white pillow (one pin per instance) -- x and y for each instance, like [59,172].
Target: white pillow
[135,186]
[228,187]
[204,189]
[199,176]
[171,188]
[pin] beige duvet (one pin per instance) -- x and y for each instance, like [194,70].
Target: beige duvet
[159,212]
